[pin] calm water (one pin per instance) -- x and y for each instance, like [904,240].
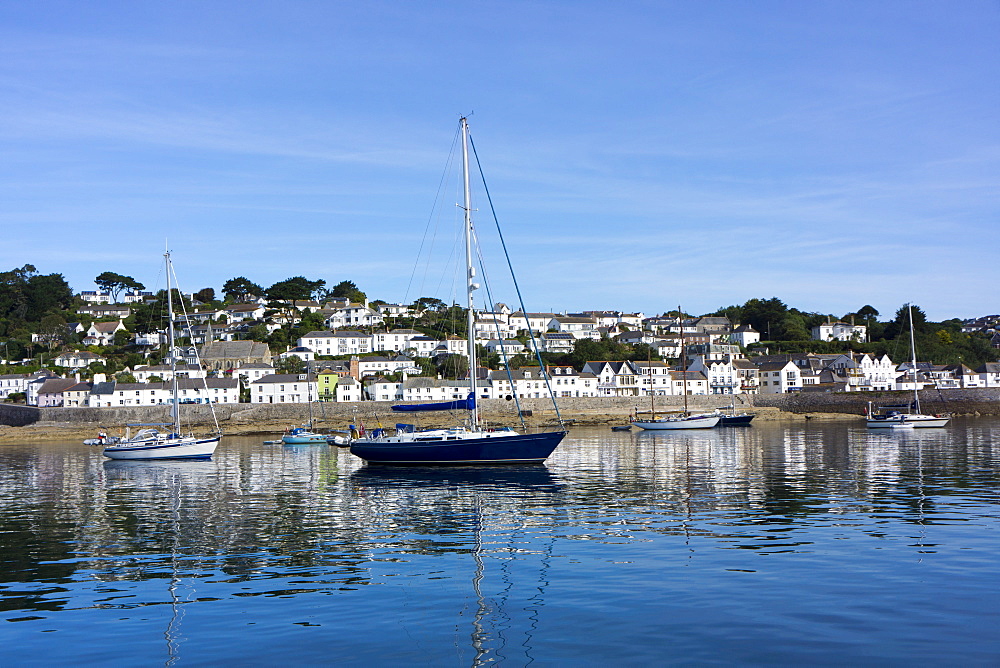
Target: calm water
[777,544]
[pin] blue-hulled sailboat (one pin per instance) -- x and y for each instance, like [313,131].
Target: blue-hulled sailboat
[472,443]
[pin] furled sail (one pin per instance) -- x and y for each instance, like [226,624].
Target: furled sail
[466,404]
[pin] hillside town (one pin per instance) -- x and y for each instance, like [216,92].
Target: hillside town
[359,351]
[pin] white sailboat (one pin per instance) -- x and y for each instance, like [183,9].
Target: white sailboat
[151,443]
[889,417]
[472,443]
[683,419]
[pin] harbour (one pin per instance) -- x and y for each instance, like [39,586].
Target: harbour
[786,542]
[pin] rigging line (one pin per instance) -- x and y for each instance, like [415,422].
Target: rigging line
[503,351]
[517,288]
[435,208]
[187,321]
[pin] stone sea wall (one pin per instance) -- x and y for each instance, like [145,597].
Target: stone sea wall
[243,417]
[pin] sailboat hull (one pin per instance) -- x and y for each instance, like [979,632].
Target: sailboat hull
[693,422]
[304,439]
[517,449]
[168,448]
[740,420]
[913,420]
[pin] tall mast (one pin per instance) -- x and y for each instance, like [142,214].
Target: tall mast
[174,412]
[684,359]
[913,361]
[470,275]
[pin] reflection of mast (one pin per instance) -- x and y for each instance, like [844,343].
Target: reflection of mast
[479,635]
[172,633]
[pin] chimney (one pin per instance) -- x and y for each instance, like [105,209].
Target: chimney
[355,368]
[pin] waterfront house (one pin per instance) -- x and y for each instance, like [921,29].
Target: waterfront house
[251,371]
[654,378]
[189,391]
[282,388]
[348,389]
[426,389]
[615,378]
[721,373]
[50,392]
[779,377]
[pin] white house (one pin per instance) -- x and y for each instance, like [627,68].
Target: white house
[242,312]
[189,390]
[165,373]
[102,333]
[377,365]
[252,371]
[303,353]
[346,342]
[839,331]
[557,342]
[537,322]
[722,376]
[490,329]
[580,328]
[13,382]
[615,379]
[384,390]
[506,348]
[779,377]
[689,382]
[744,335]
[425,389]
[348,389]
[654,377]
[284,389]
[354,315]
[396,340]
[78,359]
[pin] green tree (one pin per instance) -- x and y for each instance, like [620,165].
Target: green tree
[205,295]
[453,366]
[123,338]
[114,284]
[53,330]
[27,296]
[767,316]
[290,364]
[293,290]
[349,291]
[241,289]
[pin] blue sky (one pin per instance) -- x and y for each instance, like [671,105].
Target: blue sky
[640,154]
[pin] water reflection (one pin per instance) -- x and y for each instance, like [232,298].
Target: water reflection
[498,563]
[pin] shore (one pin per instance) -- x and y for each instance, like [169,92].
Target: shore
[77,431]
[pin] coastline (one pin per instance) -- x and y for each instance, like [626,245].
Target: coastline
[53,432]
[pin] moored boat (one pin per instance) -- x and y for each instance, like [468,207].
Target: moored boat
[886,417]
[149,442]
[474,442]
[679,421]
